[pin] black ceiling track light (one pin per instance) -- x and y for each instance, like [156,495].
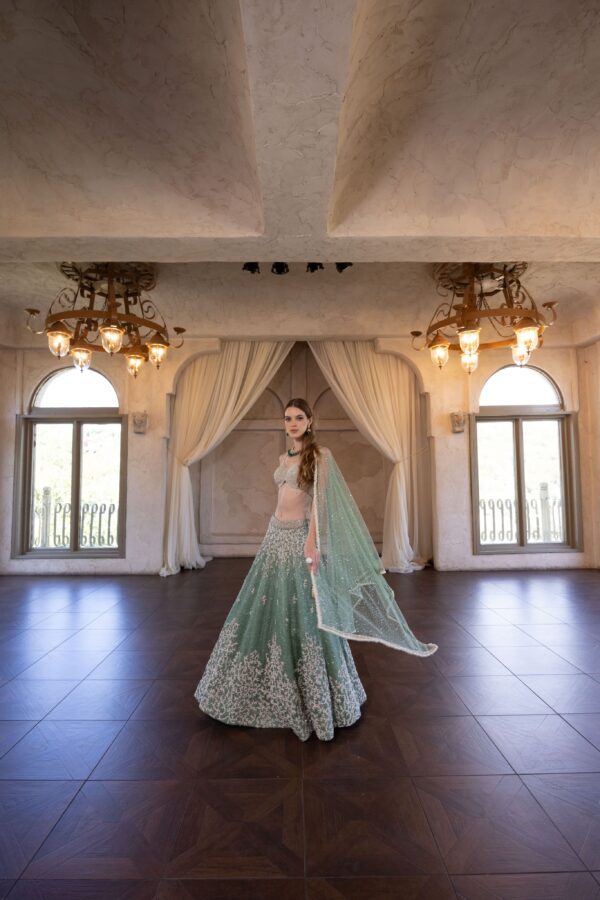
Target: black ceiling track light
[282,268]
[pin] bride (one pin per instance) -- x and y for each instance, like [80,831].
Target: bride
[282,659]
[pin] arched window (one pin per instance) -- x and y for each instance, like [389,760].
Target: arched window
[70,469]
[524,472]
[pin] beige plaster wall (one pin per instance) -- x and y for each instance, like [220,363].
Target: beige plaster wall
[235,503]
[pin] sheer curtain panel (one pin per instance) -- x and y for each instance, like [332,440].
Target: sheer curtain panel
[213,394]
[380,394]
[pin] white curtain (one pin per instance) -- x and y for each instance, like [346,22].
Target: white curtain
[380,394]
[213,394]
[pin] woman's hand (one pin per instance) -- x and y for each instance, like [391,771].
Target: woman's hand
[311,552]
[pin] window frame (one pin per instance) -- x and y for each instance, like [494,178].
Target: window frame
[22,506]
[569,457]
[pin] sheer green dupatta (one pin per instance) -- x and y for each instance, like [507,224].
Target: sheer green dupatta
[352,597]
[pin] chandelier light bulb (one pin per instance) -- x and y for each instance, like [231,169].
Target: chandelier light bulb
[82,358]
[157,350]
[439,349]
[469,362]
[520,355]
[112,338]
[469,340]
[59,339]
[134,363]
[527,334]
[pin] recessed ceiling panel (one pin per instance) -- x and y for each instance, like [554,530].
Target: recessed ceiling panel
[471,119]
[126,119]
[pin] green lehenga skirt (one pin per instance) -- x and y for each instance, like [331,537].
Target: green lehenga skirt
[272,667]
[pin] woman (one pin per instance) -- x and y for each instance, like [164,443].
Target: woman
[282,659]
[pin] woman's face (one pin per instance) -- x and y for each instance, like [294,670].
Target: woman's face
[296,422]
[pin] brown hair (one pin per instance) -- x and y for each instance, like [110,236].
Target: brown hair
[310,448]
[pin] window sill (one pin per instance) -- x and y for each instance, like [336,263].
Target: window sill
[69,554]
[504,550]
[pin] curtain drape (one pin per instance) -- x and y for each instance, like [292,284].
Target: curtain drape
[379,392]
[213,394]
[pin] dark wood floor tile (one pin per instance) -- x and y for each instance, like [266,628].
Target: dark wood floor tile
[401,746]
[573,804]
[239,889]
[533,661]
[557,635]
[448,635]
[15,662]
[586,724]
[367,827]
[541,744]
[60,750]
[555,886]
[429,695]
[497,695]
[119,618]
[407,887]
[11,733]
[101,700]
[64,664]
[130,664]
[250,826]
[491,823]
[478,615]
[71,618]
[187,665]
[567,693]
[36,639]
[97,639]
[28,812]
[84,890]
[585,657]
[501,636]
[114,830]
[531,615]
[168,699]
[467,661]
[147,638]
[26,700]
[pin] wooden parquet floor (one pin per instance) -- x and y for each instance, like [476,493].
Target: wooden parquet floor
[473,774]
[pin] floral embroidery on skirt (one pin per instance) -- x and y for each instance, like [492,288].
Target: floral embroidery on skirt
[272,667]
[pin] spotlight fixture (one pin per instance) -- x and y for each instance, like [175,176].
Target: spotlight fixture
[314,267]
[280,268]
[252,267]
[341,266]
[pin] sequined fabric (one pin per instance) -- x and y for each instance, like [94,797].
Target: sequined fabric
[272,667]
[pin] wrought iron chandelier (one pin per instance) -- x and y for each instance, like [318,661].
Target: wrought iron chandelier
[107,311]
[458,321]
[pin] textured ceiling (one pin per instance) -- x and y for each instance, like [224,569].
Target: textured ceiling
[195,133]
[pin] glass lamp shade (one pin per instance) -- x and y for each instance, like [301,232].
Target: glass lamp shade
[520,355]
[59,338]
[469,340]
[134,362]
[469,361]
[527,334]
[157,350]
[439,351]
[82,357]
[112,338]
